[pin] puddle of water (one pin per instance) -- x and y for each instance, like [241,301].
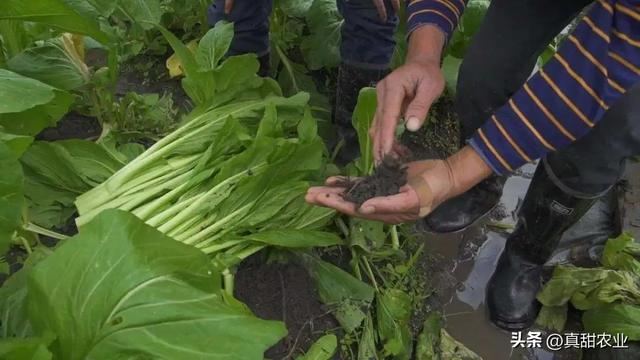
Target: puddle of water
[476,252]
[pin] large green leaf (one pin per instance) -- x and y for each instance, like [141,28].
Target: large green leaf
[17,143]
[362,118]
[130,291]
[54,62]
[11,196]
[214,45]
[393,310]
[27,105]
[56,13]
[345,294]
[614,319]
[622,253]
[145,12]
[322,47]
[57,172]
[19,93]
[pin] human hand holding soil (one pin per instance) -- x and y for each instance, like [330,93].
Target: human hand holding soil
[408,91]
[401,193]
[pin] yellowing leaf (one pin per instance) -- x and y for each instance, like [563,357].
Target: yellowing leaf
[174,65]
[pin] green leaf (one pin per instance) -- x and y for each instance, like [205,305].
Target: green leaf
[214,45]
[553,318]
[622,253]
[393,310]
[145,12]
[450,69]
[26,349]
[428,343]
[18,144]
[54,62]
[55,13]
[367,344]
[614,319]
[19,93]
[323,349]
[321,49]
[295,8]
[362,118]
[296,238]
[339,290]
[27,106]
[129,290]
[11,196]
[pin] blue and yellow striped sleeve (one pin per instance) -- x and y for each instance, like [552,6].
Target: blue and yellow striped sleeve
[444,14]
[594,66]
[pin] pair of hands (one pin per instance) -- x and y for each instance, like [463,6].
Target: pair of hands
[379,4]
[407,93]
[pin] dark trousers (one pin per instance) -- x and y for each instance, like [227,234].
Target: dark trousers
[499,60]
[366,40]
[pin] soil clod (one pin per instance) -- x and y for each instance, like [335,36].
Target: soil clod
[387,179]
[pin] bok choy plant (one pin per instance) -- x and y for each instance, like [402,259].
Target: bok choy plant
[229,182]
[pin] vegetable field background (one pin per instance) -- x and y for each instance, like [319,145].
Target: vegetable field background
[152,196]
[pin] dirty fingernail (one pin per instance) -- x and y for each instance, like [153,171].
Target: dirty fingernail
[413,124]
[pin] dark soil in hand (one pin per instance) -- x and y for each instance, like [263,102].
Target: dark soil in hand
[387,179]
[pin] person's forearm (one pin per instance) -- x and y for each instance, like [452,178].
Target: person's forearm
[426,43]
[456,174]
[565,99]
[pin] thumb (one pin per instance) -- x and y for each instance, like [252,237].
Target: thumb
[418,108]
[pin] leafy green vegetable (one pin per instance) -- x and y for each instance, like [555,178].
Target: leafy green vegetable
[609,294]
[18,144]
[27,106]
[321,48]
[130,290]
[614,319]
[214,45]
[362,119]
[393,310]
[66,15]
[145,12]
[622,253]
[11,196]
[26,349]
[55,62]
[57,172]
[341,291]
[323,349]
[434,343]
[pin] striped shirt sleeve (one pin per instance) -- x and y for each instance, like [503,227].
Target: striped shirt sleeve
[444,14]
[594,66]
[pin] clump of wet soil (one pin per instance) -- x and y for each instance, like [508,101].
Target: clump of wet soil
[387,179]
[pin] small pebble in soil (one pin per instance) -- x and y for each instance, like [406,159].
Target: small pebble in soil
[387,179]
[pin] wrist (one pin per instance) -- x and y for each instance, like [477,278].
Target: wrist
[426,44]
[466,169]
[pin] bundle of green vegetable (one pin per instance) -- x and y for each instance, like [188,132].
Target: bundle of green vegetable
[609,295]
[230,179]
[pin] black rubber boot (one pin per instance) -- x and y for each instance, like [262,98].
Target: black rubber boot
[350,80]
[547,211]
[462,211]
